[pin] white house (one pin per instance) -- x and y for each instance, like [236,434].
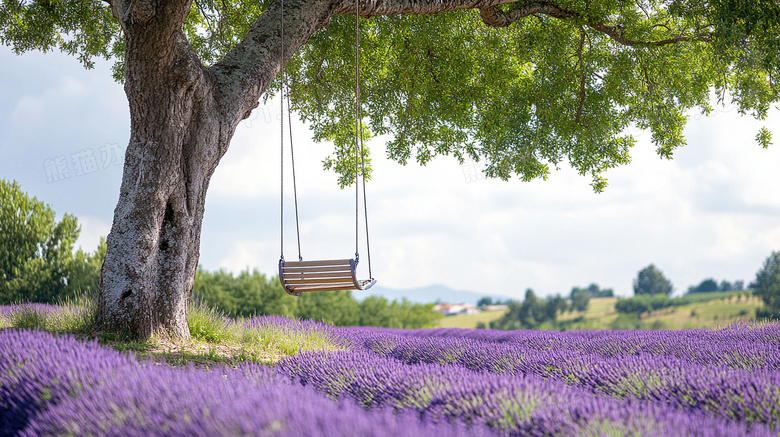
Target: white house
[454,309]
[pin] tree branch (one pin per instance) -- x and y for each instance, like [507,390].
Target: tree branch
[170,14]
[250,67]
[615,32]
[582,77]
[495,17]
[376,8]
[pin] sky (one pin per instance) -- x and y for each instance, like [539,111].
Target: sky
[712,211]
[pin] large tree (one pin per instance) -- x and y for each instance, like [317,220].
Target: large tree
[521,85]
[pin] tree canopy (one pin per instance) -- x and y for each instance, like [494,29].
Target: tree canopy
[652,281]
[710,284]
[579,299]
[707,285]
[522,86]
[531,313]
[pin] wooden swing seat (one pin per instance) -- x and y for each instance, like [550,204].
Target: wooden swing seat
[322,275]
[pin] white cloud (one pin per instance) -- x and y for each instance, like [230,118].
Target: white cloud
[32,110]
[28,109]
[92,228]
[243,255]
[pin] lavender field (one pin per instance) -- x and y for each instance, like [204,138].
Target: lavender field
[383,382]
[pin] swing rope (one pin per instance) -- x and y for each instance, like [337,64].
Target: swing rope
[286,91]
[360,166]
[359,145]
[281,151]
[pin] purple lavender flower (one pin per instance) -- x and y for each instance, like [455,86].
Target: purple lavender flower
[38,370]
[249,401]
[44,308]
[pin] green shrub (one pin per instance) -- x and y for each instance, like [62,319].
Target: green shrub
[626,321]
[658,324]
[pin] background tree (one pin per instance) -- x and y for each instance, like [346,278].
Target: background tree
[531,313]
[372,312]
[255,294]
[710,285]
[216,289]
[245,295]
[377,311]
[522,86]
[596,291]
[651,281]
[579,299]
[636,305]
[36,251]
[84,273]
[413,316]
[553,306]
[767,287]
[337,308]
[706,286]
[485,301]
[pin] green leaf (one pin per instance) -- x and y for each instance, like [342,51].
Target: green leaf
[764,137]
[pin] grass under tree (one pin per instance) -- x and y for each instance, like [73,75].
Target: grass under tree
[215,338]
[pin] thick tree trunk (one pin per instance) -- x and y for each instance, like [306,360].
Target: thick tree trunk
[176,141]
[183,116]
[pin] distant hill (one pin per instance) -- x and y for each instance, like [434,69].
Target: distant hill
[428,294]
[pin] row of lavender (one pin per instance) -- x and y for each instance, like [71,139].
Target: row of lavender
[60,386]
[552,382]
[394,382]
[731,374]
